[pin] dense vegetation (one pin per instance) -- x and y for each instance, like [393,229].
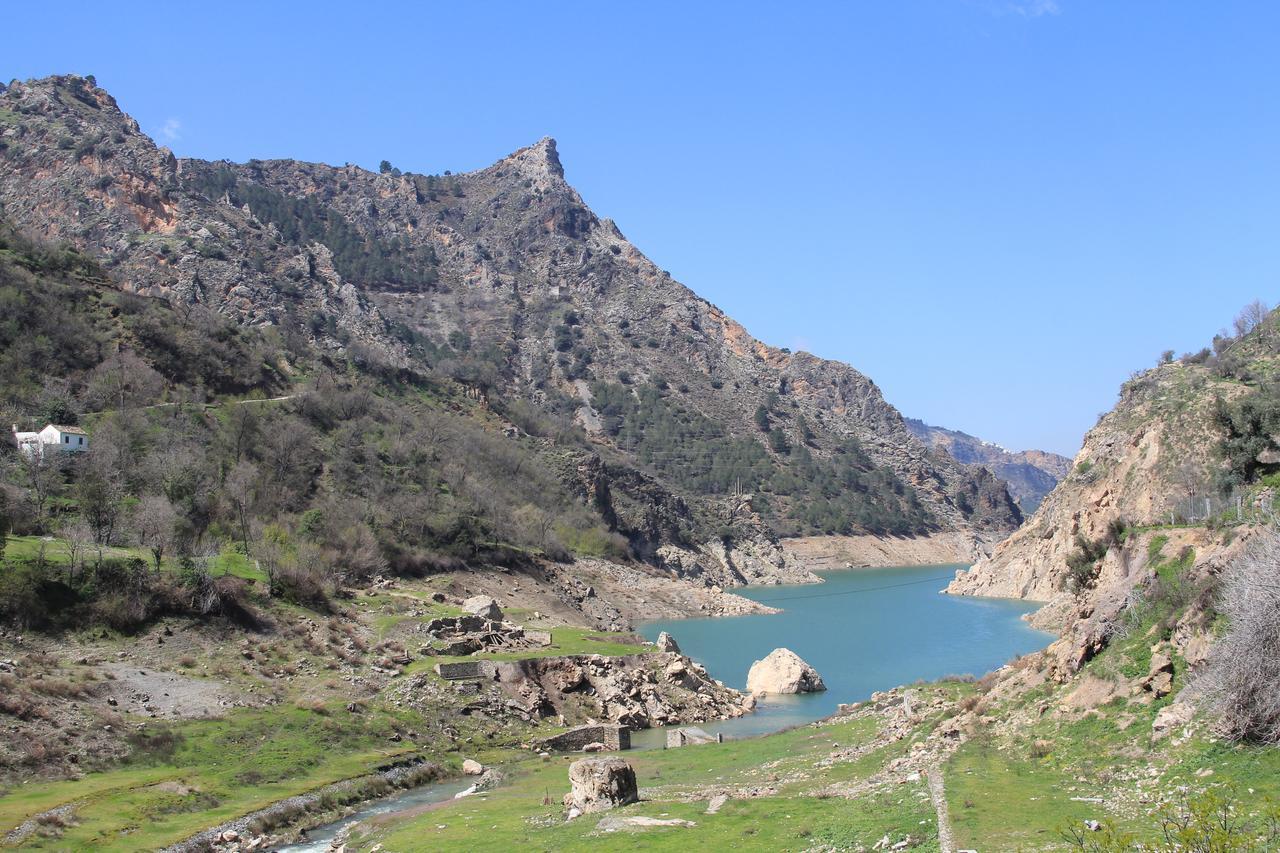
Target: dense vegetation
[796,490]
[349,474]
[304,220]
[1249,428]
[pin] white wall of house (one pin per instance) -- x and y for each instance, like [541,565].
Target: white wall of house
[50,438]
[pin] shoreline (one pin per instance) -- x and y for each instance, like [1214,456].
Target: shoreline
[820,553]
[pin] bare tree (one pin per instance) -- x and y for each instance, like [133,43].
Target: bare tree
[43,475]
[77,539]
[241,488]
[535,523]
[124,380]
[100,497]
[242,429]
[6,522]
[1252,316]
[153,522]
[1242,680]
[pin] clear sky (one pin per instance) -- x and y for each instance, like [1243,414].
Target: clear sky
[997,209]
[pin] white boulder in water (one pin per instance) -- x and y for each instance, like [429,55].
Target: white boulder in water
[783,671]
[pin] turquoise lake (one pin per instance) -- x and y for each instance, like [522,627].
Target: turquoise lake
[863,630]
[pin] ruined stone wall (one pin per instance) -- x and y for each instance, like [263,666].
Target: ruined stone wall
[465,669]
[613,737]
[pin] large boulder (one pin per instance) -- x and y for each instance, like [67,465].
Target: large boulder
[783,671]
[1171,718]
[667,643]
[483,605]
[599,784]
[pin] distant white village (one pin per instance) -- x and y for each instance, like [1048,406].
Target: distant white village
[52,438]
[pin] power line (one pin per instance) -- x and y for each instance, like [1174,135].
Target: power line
[853,591]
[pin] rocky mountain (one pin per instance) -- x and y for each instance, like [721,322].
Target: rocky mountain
[505,282]
[1168,488]
[1029,474]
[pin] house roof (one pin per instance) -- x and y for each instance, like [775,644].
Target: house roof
[73,430]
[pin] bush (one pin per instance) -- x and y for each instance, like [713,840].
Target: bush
[1243,675]
[1248,428]
[1214,822]
[300,585]
[1082,563]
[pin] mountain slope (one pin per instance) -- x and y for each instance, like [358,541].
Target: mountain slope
[1166,491]
[1029,474]
[505,281]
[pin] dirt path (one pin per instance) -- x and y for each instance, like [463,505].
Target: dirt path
[938,794]
[203,405]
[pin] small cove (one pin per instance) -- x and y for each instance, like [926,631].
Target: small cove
[863,630]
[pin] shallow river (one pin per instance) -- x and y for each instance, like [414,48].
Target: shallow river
[863,630]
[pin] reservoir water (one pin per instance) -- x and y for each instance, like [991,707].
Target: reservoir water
[863,630]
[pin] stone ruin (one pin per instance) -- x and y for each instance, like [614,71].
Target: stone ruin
[457,636]
[589,738]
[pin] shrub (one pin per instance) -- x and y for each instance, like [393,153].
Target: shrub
[1082,563]
[1248,428]
[300,585]
[155,743]
[1213,821]
[1243,675]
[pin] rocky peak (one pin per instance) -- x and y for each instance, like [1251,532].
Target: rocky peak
[539,162]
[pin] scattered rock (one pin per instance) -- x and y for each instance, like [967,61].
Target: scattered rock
[471,767]
[783,671]
[599,784]
[613,823]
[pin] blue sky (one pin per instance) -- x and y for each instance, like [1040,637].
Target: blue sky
[997,209]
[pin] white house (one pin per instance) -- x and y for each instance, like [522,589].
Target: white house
[52,437]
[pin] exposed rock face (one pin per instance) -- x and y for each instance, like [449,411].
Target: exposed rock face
[849,552]
[1148,461]
[1029,474]
[783,671]
[484,606]
[500,278]
[1140,463]
[599,784]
